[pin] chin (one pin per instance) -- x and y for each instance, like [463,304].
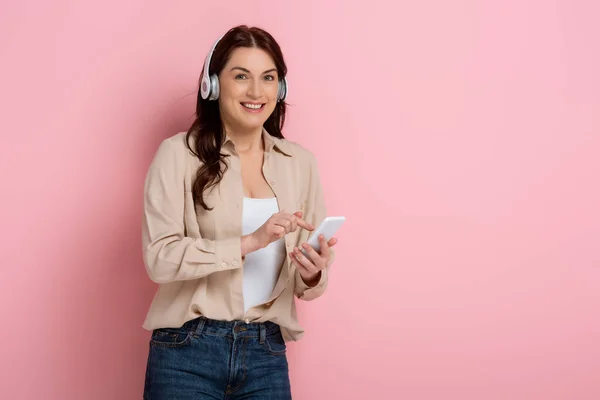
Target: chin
[251,121]
[249,126]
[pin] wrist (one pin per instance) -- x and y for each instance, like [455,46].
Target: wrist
[311,280]
[250,244]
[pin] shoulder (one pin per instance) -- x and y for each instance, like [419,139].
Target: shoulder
[297,151]
[176,143]
[174,149]
[173,161]
[305,162]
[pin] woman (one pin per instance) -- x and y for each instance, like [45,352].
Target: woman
[226,207]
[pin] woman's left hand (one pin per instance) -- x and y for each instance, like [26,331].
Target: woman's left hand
[310,268]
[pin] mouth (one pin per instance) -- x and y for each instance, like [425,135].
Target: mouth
[253,107]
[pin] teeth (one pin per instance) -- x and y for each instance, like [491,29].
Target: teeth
[252,106]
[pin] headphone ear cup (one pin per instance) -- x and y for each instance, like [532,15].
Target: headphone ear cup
[283,89]
[215,87]
[205,87]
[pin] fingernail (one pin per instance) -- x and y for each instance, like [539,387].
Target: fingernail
[305,245]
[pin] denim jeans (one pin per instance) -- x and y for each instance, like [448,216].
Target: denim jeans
[209,359]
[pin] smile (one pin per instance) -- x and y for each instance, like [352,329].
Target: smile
[253,106]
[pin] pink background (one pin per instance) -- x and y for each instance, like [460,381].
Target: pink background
[461,139]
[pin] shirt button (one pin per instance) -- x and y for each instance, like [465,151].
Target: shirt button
[234,263]
[223,264]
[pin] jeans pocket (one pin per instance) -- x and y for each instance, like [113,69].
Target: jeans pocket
[275,344]
[170,337]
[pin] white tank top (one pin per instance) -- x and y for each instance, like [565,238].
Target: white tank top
[261,268]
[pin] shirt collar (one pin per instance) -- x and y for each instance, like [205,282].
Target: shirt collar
[271,142]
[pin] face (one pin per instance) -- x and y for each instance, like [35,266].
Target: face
[249,85]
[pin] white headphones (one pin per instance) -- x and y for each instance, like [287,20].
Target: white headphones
[209,86]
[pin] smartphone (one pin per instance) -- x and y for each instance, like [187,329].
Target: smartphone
[327,228]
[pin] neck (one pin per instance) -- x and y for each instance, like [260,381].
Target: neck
[246,140]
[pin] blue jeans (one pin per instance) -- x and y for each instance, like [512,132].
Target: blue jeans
[209,359]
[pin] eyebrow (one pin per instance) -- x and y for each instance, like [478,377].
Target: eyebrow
[248,71]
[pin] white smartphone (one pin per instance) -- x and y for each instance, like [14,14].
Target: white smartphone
[327,228]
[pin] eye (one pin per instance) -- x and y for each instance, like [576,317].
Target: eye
[240,76]
[269,77]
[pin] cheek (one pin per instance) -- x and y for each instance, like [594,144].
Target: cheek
[271,95]
[228,102]
[229,91]
[272,92]
[227,106]
[270,106]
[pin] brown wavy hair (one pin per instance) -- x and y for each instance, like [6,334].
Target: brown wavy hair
[207,127]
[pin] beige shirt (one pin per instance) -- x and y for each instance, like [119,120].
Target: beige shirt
[195,254]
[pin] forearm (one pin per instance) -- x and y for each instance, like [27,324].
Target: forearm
[249,244]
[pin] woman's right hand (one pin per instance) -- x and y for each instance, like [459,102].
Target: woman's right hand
[276,227]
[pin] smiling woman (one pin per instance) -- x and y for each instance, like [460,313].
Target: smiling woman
[255,90]
[218,241]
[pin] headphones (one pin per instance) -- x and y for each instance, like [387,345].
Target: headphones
[209,86]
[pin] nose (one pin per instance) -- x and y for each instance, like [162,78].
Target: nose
[254,89]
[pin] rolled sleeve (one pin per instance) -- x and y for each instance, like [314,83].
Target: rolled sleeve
[315,214]
[169,255]
[307,293]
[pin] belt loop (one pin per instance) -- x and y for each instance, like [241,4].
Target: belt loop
[200,326]
[263,332]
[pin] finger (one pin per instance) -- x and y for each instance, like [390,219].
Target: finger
[325,253]
[297,264]
[297,221]
[280,215]
[305,261]
[302,223]
[285,223]
[308,276]
[306,225]
[332,242]
[301,268]
[278,231]
[294,226]
[312,268]
[316,258]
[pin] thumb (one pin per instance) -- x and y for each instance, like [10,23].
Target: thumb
[298,214]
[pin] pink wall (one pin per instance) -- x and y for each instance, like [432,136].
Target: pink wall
[461,139]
